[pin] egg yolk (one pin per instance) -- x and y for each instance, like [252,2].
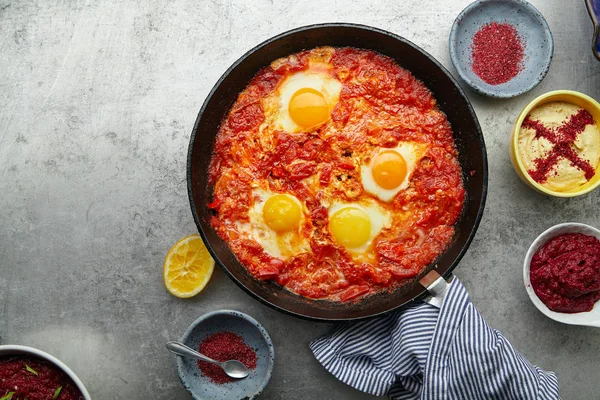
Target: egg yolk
[282,213]
[350,227]
[308,108]
[388,169]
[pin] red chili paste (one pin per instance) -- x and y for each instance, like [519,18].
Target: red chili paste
[497,53]
[224,346]
[565,273]
[35,379]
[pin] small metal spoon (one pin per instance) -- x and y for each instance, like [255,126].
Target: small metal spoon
[232,368]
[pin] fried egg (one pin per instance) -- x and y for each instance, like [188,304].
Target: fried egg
[390,169]
[304,100]
[275,222]
[355,225]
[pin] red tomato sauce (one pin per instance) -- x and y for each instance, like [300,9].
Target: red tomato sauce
[34,379]
[565,273]
[380,105]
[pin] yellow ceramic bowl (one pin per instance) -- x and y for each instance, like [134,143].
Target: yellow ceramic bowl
[568,96]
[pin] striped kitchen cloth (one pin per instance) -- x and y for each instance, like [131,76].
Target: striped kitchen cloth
[422,352]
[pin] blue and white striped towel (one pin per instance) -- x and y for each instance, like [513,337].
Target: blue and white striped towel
[422,352]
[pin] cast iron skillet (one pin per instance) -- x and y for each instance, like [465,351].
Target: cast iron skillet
[452,101]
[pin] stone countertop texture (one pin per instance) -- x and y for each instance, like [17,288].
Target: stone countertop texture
[97,103]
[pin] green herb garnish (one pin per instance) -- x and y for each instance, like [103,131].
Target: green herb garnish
[33,371]
[7,396]
[56,394]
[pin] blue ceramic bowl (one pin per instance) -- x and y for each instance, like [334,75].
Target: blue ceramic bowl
[255,336]
[531,27]
[593,7]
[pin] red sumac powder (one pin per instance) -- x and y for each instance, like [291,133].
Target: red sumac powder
[497,52]
[224,346]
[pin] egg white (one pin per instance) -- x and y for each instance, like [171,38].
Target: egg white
[316,78]
[412,154]
[281,245]
[379,218]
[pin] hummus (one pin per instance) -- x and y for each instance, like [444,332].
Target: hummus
[559,144]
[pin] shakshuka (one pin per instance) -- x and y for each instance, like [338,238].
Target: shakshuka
[336,175]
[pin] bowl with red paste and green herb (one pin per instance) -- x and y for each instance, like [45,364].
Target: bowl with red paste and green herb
[226,335]
[501,48]
[28,373]
[562,273]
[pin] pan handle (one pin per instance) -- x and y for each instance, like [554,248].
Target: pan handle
[437,287]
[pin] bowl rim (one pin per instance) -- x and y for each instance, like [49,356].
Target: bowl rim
[515,141]
[238,314]
[474,85]
[539,241]
[596,24]
[6,349]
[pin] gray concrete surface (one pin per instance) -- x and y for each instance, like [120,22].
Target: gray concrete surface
[97,102]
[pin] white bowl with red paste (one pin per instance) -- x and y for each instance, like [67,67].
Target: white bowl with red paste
[36,375]
[562,273]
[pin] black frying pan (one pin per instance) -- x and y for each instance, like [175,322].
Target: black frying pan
[452,101]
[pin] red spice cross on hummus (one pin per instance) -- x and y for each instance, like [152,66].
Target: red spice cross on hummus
[563,138]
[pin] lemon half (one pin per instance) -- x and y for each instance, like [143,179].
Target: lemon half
[188,267]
